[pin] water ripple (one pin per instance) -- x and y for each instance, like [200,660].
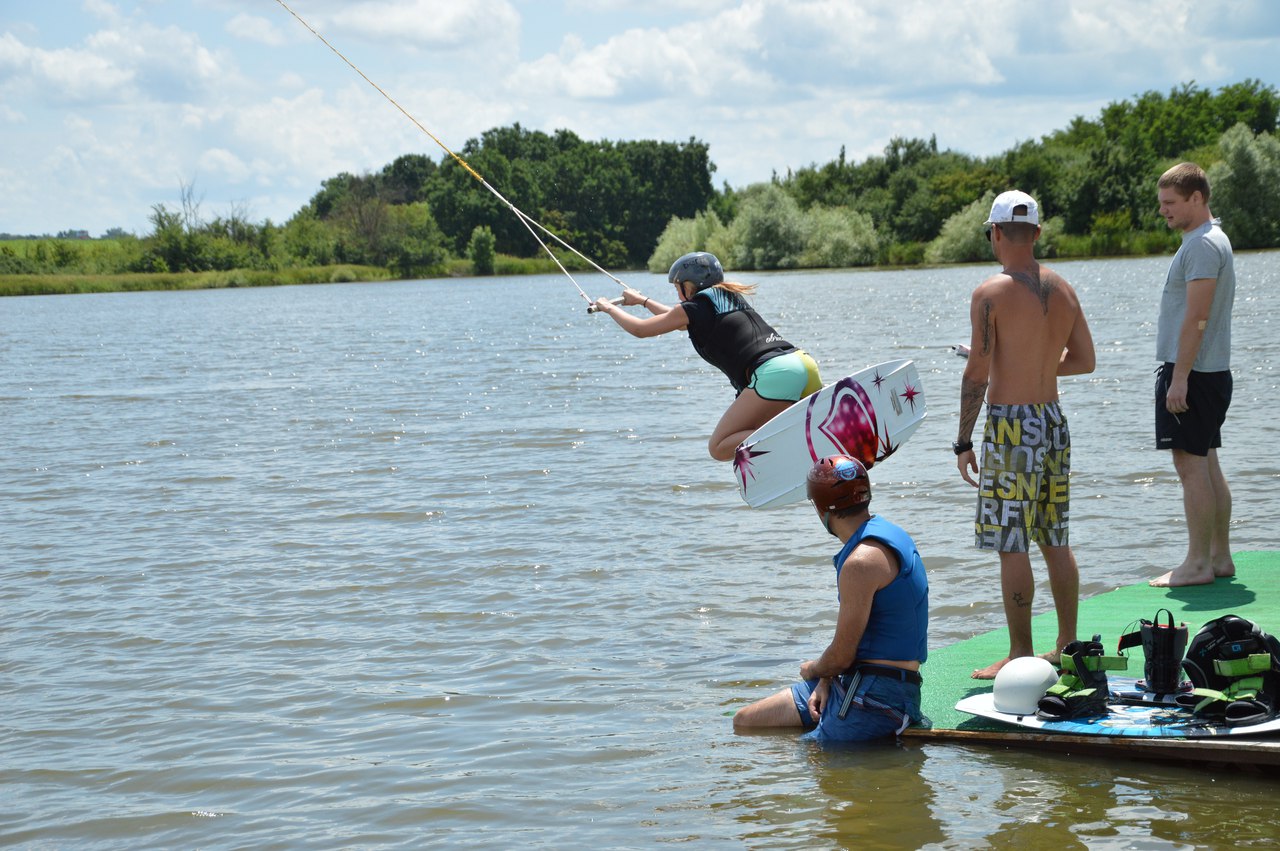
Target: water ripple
[363,566]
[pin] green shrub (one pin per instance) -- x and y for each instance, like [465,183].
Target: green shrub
[13,264]
[903,253]
[1110,234]
[480,250]
[1163,241]
[703,232]
[1245,188]
[838,237]
[963,239]
[769,231]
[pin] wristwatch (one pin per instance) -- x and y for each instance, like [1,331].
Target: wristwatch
[961,447]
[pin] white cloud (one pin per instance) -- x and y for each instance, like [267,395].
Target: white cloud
[62,75]
[291,80]
[647,6]
[223,163]
[108,111]
[644,64]
[315,137]
[256,29]
[102,9]
[116,65]
[166,61]
[477,26]
[829,44]
[778,50]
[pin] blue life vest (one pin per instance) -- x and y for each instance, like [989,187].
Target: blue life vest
[898,625]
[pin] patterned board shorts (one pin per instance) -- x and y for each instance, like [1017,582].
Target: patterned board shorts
[1023,494]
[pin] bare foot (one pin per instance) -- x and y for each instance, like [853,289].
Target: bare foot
[1184,575]
[989,672]
[1224,568]
[1053,657]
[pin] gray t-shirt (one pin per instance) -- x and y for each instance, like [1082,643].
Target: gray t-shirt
[1205,253]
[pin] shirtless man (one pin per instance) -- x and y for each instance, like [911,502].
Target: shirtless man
[1028,329]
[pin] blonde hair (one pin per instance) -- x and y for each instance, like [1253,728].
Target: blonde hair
[737,288]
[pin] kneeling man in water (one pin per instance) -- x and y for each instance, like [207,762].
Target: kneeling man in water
[866,684]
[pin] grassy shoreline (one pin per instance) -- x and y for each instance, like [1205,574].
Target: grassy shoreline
[70,284]
[17,285]
[66,284]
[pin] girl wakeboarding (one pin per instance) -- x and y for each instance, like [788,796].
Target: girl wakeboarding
[768,373]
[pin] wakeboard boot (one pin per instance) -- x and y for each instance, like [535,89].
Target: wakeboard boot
[1081,690]
[1163,645]
[1235,669]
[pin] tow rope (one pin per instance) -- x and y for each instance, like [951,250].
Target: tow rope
[529,222]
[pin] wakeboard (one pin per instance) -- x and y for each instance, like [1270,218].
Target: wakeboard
[1156,718]
[867,415]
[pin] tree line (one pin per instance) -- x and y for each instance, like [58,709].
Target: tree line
[632,204]
[1095,181]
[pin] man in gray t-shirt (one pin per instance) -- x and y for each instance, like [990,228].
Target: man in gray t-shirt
[1193,390]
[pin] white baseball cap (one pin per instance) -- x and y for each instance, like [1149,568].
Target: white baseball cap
[1006,209]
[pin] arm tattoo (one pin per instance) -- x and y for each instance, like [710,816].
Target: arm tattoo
[972,394]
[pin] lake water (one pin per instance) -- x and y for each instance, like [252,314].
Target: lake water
[445,563]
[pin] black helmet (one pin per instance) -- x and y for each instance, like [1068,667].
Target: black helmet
[839,482]
[699,268]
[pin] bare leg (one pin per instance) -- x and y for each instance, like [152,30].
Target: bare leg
[774,711]
[1064,582]
[1199,504]
[1220,544]
[747,413]
[1018,589]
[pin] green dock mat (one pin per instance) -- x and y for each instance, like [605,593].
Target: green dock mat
[1253,593]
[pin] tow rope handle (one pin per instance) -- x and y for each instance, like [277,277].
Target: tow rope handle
[591,308]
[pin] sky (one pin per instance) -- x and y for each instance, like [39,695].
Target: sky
[110,108]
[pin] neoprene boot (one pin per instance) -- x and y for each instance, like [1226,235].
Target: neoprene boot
[1235,668]
[1081,690]
[1163,645]
[1244,700]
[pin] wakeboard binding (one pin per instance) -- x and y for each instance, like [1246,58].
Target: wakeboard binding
[1234,669]
[1081,690]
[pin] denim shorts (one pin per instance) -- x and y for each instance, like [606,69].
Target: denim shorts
[881,707]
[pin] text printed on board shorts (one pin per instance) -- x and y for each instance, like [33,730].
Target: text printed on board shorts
[1024,491]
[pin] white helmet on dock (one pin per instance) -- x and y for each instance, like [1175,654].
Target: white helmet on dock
[1021,683]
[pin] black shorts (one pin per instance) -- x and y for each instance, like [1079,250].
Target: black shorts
[1199,428]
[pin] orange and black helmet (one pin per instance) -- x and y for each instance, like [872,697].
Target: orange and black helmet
[838,483]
